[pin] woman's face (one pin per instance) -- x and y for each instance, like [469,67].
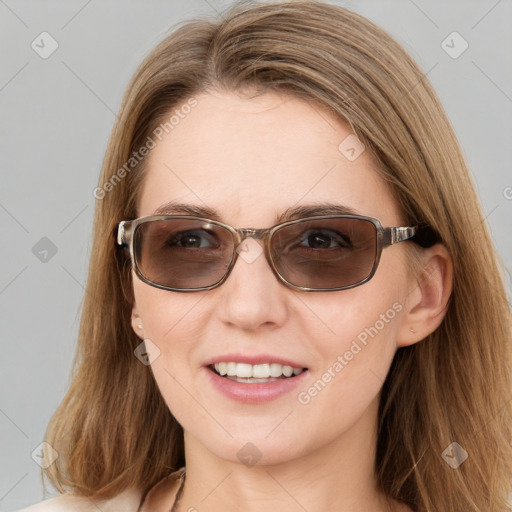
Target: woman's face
[250,160]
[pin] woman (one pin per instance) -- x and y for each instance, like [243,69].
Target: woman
[293,302]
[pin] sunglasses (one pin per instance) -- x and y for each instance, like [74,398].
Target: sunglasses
[185,253]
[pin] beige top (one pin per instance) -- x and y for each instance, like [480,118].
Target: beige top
[162,496]
[159,499]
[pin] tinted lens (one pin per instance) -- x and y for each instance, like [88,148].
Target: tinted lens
[183,253]
[325,253]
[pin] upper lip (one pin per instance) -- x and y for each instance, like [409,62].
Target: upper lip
[254,359]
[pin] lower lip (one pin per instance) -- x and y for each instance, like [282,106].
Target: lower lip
[254,393]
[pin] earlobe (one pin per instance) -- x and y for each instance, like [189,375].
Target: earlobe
[137,323]
[427,302]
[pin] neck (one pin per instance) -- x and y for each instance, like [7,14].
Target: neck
[334,476]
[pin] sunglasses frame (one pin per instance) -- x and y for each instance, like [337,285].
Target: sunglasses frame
[385,237]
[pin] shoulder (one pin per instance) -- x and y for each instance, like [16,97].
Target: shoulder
[127,500]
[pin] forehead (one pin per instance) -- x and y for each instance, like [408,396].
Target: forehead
[250,158]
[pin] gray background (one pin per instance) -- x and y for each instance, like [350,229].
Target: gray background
[57,114]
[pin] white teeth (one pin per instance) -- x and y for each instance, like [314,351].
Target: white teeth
[243,370]
[287,371]
[258,371]
[276,370]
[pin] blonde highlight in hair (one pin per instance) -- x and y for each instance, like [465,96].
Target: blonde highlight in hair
[113,429]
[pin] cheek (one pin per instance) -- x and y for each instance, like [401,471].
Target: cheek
[172,324]
[358,343]
[358,324]
[353,360]
[166,315]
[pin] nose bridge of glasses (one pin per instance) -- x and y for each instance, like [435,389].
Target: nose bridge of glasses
[244,233]
[245,250]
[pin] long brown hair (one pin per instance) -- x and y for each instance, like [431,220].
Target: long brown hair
[113,429]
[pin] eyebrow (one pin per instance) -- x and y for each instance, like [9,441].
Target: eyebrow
[291,213]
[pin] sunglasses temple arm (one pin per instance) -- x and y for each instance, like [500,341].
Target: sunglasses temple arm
[124,233]
[395,235]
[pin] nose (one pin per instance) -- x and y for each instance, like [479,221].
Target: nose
[252,297]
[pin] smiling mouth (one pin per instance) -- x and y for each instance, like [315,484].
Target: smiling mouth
[255,373]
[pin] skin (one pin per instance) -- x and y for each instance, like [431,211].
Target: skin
[250,158]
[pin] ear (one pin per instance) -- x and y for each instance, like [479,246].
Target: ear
[427,302]
[137,325]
